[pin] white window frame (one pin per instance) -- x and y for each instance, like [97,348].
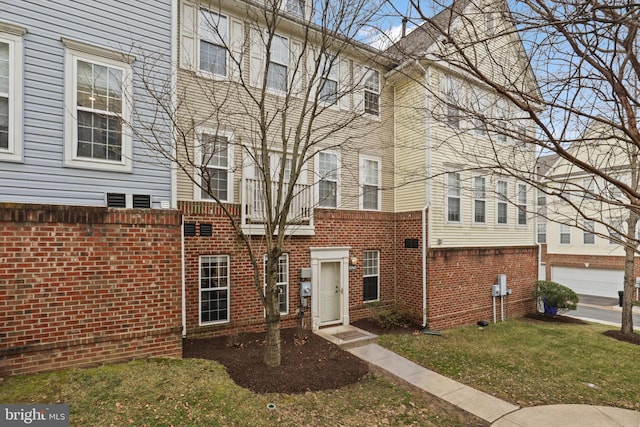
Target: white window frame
[221,259]
[614,236]
[589,185]
[371,90]
[198,158]
[502,199]
[325,177]
[565,230]
[371,268]
[80,51]
[283,285]
[12,35]
[364,183]
[280,63]
[296,8]
[521,198]
[541,232]
[453,191]
[479,196]
[588,237]
[451,89]
[216,40]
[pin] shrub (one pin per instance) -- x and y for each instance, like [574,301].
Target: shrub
[556,296]
[388,317]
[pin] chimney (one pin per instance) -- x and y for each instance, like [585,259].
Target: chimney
[404,26]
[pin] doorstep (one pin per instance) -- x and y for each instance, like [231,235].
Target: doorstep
[347,336]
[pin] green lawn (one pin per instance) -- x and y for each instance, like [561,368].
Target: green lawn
[187,392]
[531,363]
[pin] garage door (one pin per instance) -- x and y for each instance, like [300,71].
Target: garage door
[589,281]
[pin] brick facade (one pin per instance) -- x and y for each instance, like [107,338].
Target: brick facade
[87,285]
[459,279]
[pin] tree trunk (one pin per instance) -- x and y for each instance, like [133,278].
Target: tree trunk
[272,351]
[629,276]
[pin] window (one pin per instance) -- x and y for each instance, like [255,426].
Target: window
[97,107]
[372,92]
[565,234]
[451,92]
[282,282]
[328,184]
[479,202]
[296,7]
[214,153]
[371,279]
[502,204]
[214,289]
[214,37]
[480,102]
[329,69]
[588,237]
[278,64]
[542,232]
[588,184]
[522,204]
[371,177]
[501,122]
[615,227]
[542,198]
[11,92]
[453,197]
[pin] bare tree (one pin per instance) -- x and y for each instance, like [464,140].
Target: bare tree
[583,59]
[278,81]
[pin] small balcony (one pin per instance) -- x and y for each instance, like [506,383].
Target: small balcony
[254,208]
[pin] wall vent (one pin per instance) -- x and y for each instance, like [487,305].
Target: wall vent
[141,201]
[116,200]
[206,230]
[189,229]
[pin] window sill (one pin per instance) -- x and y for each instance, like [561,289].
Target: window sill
[121,167]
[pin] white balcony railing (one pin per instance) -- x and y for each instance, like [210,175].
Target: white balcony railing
[255,206]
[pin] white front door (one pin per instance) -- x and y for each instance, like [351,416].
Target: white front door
[329,286]
[330,291]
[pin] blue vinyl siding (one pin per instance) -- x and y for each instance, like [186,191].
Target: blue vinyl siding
[42,176]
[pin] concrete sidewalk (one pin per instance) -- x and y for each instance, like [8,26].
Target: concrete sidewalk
[489,408]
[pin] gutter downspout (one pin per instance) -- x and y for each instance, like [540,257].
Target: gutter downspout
[174,167]
[426,211]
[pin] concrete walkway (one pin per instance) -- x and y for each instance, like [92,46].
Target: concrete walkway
[489,408]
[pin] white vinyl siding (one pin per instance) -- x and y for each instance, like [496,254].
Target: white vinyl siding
[214,289]
[97,108]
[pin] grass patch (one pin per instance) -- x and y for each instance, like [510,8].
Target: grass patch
[532,363]
[189,392]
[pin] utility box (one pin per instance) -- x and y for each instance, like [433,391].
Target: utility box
[305,289]
[495,291]
[305,273]
[502,283]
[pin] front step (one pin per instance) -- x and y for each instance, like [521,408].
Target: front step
[347,336]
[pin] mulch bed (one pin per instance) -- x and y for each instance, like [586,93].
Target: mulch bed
[306,365]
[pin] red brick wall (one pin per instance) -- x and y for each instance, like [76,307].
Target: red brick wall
[359,230]
[459,286]
[460,279]
[87,285]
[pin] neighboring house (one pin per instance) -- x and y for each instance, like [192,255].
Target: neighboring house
[583,225]
[477,222]
[365,242]
[83,283]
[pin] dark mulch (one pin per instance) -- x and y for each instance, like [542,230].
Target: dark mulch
[555,319]
[374,327]
[615,334]
[630,338]
[306,365]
